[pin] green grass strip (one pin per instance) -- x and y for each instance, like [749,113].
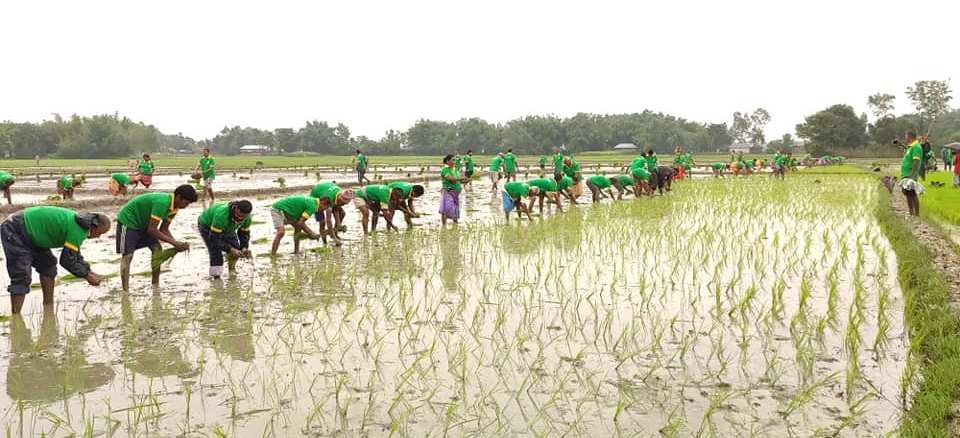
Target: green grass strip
[933,330]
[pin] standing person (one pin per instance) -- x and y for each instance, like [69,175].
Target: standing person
[408,192]
[118,183]
[144,222]
[495,164]
[330,214]
[225,228]
[927,154]
[208,173]
[469,167]
[557,164]
[28,237]
[513,193]
[718,169]
[360,164]
[145,169]
[956,169]
[450,193]
[909,170]
[546,187]
[596,184]
[543,162]
[510,165]
[7,180]
[947,155]
[65,186]
[294,211]
[651,158]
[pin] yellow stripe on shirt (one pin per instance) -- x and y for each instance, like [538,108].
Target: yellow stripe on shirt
[69,245]
[216,230]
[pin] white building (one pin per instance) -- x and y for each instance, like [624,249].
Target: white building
[740,148]
[254,149]
[626,147]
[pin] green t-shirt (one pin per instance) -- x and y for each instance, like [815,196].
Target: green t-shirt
[360,192]
[137,212]
[544,184]
[542,161]
[361,162]
[516,189]
[640,161]
[145,167]
[206,167]
[600,181]
[558,163]
[449,171]
[565,183]
[572,169]
[377,193]
[66,182]
[326,190]
[217,217]
[53,227]
[468,163]
[6,178]
[458,162]
[406,189]
[749,163]
[626,181]
[947,155]
[640,172]
[717,166]
[914,153]
[121,178]
[495,163]
[297,206]
[509,162]
[651,162]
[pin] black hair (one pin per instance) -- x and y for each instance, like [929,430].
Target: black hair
[447,158]
[509,149]
[89,221]
[186,192]
[243,205]
[417,189]
[649,151]
[912,134]
[146,155]
[469,151]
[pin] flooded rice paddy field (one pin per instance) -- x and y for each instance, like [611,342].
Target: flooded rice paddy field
[734,307]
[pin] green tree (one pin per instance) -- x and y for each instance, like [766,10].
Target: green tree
[931,98]
[836,126]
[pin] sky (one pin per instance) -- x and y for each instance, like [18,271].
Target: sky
[197,66]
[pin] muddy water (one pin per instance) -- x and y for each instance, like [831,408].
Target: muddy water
[649,316]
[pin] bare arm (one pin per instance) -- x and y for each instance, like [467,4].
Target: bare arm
[161,232]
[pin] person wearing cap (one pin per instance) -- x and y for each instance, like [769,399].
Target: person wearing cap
[513,193]
[330,214]
[29,236]
[7,180]
[294,211]
[144,222]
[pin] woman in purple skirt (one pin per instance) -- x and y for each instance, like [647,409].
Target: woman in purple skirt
[450,193]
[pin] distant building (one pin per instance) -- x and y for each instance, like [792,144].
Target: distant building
[741,148]
[254,149]
[626,147]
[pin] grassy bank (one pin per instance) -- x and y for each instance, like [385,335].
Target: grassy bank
[941,202]
[933,328]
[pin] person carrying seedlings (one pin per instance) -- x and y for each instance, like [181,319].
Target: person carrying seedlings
[495,165]
[7,180]
[294,211]
[330,214]
[513,193]
[225,228]
[624,184]
[450,193]
[598,183]
[65,186]
[408,192]
[145,171]
[909,170]
[360,164]
[543,162]
[144,222]
[510,165]
[469,167]
[546,188]
[118,183]
[207,170]
[718,169]
[29,236]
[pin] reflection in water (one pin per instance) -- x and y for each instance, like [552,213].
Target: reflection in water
[151,344]
[452,258]
[228,325]
[49,369]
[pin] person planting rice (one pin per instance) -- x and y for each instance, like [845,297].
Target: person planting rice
[225,228]
[375,196]
[623,184]
[641,179]
[542,162]
[565,187]
[747,168]
[469,168]
[779,165]
[450,193]
[558,170]
[510,165]
[145,171]
[144,222]
[118,184]
[596,184]
[294,211]
[28,237]
[735,168]
[665,176]
[408,192]
[909,170]
[571,169]
[360,164]
[495,164]
[207,170]
[330,214]
[546,188]
[65,186]
[718,168]
[513,193]
[7,180]
[651,158]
